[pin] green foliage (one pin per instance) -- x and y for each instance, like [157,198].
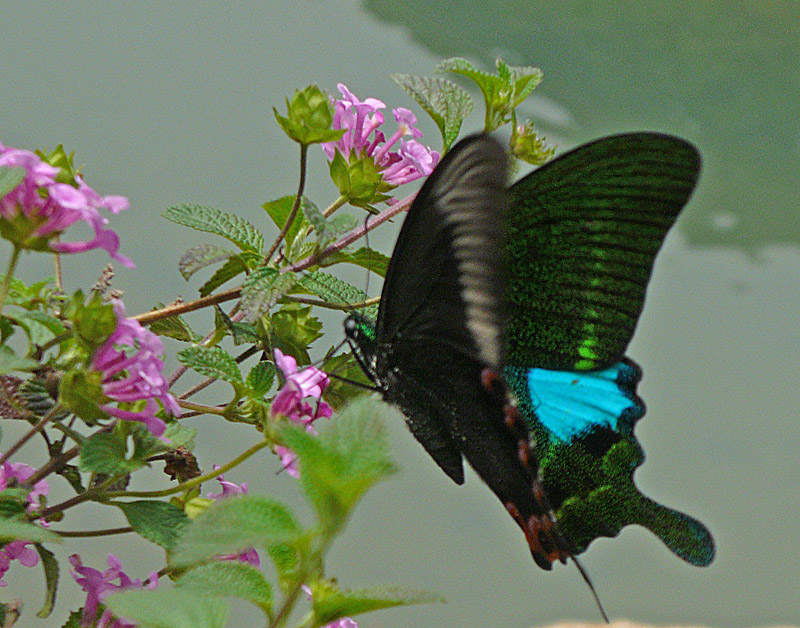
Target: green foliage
[14,529]
[93,321]
[377,262]
[338,467]
[229,579]
[159,522]
[359,180]
[235,266]
[170,608]
[233,525]
[80,393]
[211,362]
[201,256]
[292,329]
[331,289]
[528,146]
[262,289]
[444,101]
[309,117]
[10,361]
[51,572]
[174,327]
[105,452]
[339,393]
[260,378]
[330,603]
[231,227]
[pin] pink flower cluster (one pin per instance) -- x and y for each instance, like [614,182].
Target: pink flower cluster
[51,206]
[411,160]
[290,402]
[131,364]
[230,489]
[99,586]
[16,473]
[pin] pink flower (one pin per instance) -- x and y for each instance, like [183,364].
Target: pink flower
[230,489]
[40,208]
[17,473]
[17,550]
[99,586]
[409,161]
[131,364]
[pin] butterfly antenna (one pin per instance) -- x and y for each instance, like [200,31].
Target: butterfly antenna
[588,581]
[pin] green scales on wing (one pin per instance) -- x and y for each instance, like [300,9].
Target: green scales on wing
[583,233]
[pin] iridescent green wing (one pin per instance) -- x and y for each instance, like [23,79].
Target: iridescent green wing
[584,232]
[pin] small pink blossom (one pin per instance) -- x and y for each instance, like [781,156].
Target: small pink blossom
[17,550]
[230,489]
[99,586]
[408,161]
[51,207]
[132,368]
[17,473]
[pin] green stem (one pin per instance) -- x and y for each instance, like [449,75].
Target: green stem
[12,265]
[300,187]
[201,408]
[195,481]
[79,499]
[90,533]
[334,206]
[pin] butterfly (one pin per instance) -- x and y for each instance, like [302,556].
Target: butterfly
[503,324]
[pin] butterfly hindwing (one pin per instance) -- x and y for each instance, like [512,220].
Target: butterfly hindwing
[584,231]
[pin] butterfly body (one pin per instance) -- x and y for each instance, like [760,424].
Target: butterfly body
[503,324]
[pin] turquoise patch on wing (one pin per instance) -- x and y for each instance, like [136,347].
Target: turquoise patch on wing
[570,404]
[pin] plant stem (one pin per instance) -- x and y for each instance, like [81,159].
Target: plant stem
[201,408]
[194,481]
[54,464]
[78,499]
[300,186]
[334,206]
[12,265]
[90,533]
[191,306]
[30,433]
[344,307]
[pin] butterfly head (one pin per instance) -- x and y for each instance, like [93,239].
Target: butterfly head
[360,333]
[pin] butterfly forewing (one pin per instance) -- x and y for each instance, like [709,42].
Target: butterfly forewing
[584,231]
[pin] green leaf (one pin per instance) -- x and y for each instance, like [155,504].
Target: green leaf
[54,326]
[444,101]
[180,435]
[331,289]
[234,525]
[174,327]
[229,579]
[339,393]
[10,178]
[50,566]
[340,465]
[286,559]
[242,333]
[262,290]
[170,608]
[209,219]
[105,452]
[279,211]
[233,267]
[293,328]
[211,362]
[260,378]
[10,361]
[330,603]
[159,522]
[201,256]
[14,529]
[367,258]
[74,620]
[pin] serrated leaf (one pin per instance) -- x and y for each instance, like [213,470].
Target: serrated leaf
[53,325]
[340,465]
[159,522]
[169,608]
[331,604]
[242,333]
[10,361]
[201,256]
[211,362]
[211,220]
[229,579]
[444,101]
[234,525]
[50,566]
[174,327]
[74,620]
[14,529]
[233,267]
[10,178]
[262,290]
[260,378]
[372,260]
[180,435]
[331,289]
[105,452]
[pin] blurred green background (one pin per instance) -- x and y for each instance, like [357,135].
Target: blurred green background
[171,102]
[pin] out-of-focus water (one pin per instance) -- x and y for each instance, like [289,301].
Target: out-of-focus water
[172,103]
